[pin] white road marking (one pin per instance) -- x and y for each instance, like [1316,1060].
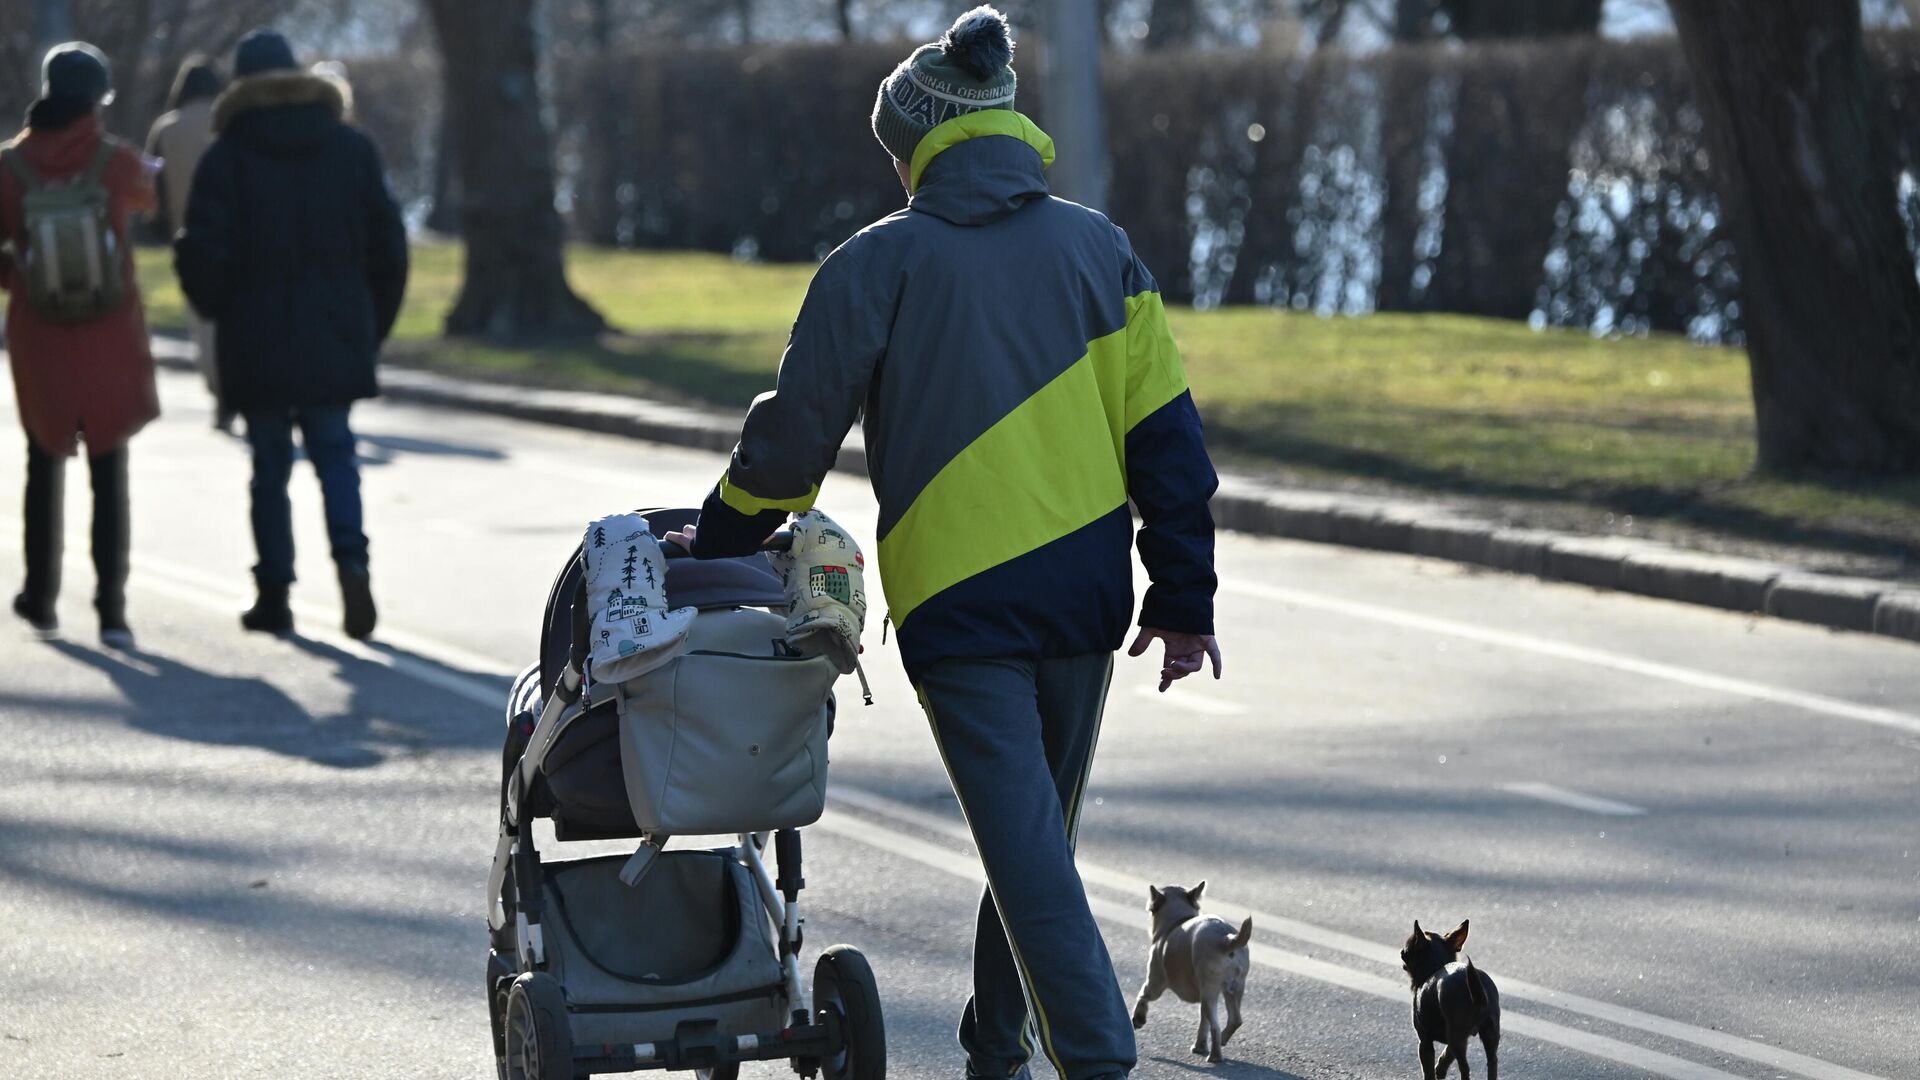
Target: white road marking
[1592,804]
[181,581]
[1177,698]
[1560,650]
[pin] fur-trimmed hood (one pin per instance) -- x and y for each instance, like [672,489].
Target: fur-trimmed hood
[275,88]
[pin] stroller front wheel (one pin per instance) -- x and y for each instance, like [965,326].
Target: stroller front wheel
[729,1071]
[539,1041]
[843,984]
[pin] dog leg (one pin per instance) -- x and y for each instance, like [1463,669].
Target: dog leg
[1150,990]
[1490,1042]
[1445,1063]
[1426,1061]
[1233,1012]
[1200,1038]
[1210,1022]
[1458,1052]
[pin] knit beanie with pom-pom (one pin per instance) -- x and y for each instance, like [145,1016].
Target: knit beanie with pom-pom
[970,68]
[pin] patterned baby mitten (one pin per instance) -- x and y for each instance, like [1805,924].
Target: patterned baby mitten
[633,631]
[826,585]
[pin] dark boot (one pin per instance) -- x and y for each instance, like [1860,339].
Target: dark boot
[356,596]
[45,497]
[270,613]
[38,615]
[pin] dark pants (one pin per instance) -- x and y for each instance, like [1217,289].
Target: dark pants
[328,441]
[45,526]
[1018,737]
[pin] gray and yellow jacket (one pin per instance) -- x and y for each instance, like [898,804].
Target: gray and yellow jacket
[1019,387]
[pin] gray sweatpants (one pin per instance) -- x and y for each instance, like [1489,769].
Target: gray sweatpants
[1018,737]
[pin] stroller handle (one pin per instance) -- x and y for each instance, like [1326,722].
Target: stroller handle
[780,541]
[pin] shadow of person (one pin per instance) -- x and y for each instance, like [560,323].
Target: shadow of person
[383,449]
[421,703]
[166,697]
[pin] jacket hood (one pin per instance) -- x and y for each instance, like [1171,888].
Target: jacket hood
[978,168]
[282,111]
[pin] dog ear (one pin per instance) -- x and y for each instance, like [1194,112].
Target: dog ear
[1155,898]
[1419,934]
[1457,939]
[1193,894]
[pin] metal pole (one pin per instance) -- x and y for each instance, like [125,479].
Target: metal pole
[1075,112]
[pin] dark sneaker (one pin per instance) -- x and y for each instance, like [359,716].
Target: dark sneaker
[356,597]
[118,638]
[38,616]
[270,613]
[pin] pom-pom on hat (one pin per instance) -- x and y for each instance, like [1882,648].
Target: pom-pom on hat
[970,68]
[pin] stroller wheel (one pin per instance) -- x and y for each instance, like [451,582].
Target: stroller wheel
[729,1071]
[539,1042]
[499,978]
[843,984]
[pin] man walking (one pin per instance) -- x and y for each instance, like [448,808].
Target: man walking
[1020,387]
[294,248]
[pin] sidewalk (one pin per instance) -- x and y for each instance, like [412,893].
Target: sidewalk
[1244,504]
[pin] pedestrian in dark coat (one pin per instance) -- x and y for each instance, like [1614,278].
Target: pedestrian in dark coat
[294,247]
[77,382]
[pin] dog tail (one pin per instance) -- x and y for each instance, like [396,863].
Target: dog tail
[1476,984]
[1239,940]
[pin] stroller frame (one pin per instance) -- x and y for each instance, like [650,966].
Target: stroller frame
[828,1037]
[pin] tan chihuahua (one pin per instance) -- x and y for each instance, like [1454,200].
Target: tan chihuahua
[1200,958]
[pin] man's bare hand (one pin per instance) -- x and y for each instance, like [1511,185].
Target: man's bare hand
[1185,653]
[683,537]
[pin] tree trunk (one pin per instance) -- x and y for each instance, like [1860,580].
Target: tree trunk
[597,211]
[515,283]
[443,215]
[1171,24]
[1801,159]
[1405,116]
[52,25]
[1513,128]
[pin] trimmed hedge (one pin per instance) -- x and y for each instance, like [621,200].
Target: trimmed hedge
[1563,181]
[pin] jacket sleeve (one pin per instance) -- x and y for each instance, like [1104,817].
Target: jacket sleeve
[1169,476]
[386,244]
[792,435]
[203,249]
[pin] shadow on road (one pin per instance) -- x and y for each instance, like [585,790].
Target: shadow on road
[1226,1070]
[386,714]
[382,449]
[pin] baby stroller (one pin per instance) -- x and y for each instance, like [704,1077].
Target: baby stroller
[684,959]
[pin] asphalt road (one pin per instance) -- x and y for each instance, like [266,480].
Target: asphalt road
[1689,841]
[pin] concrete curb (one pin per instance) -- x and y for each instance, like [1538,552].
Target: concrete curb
[1246,505]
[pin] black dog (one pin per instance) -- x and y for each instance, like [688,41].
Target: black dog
[1452,1002]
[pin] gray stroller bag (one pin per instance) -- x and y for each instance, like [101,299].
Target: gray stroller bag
[730,736]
